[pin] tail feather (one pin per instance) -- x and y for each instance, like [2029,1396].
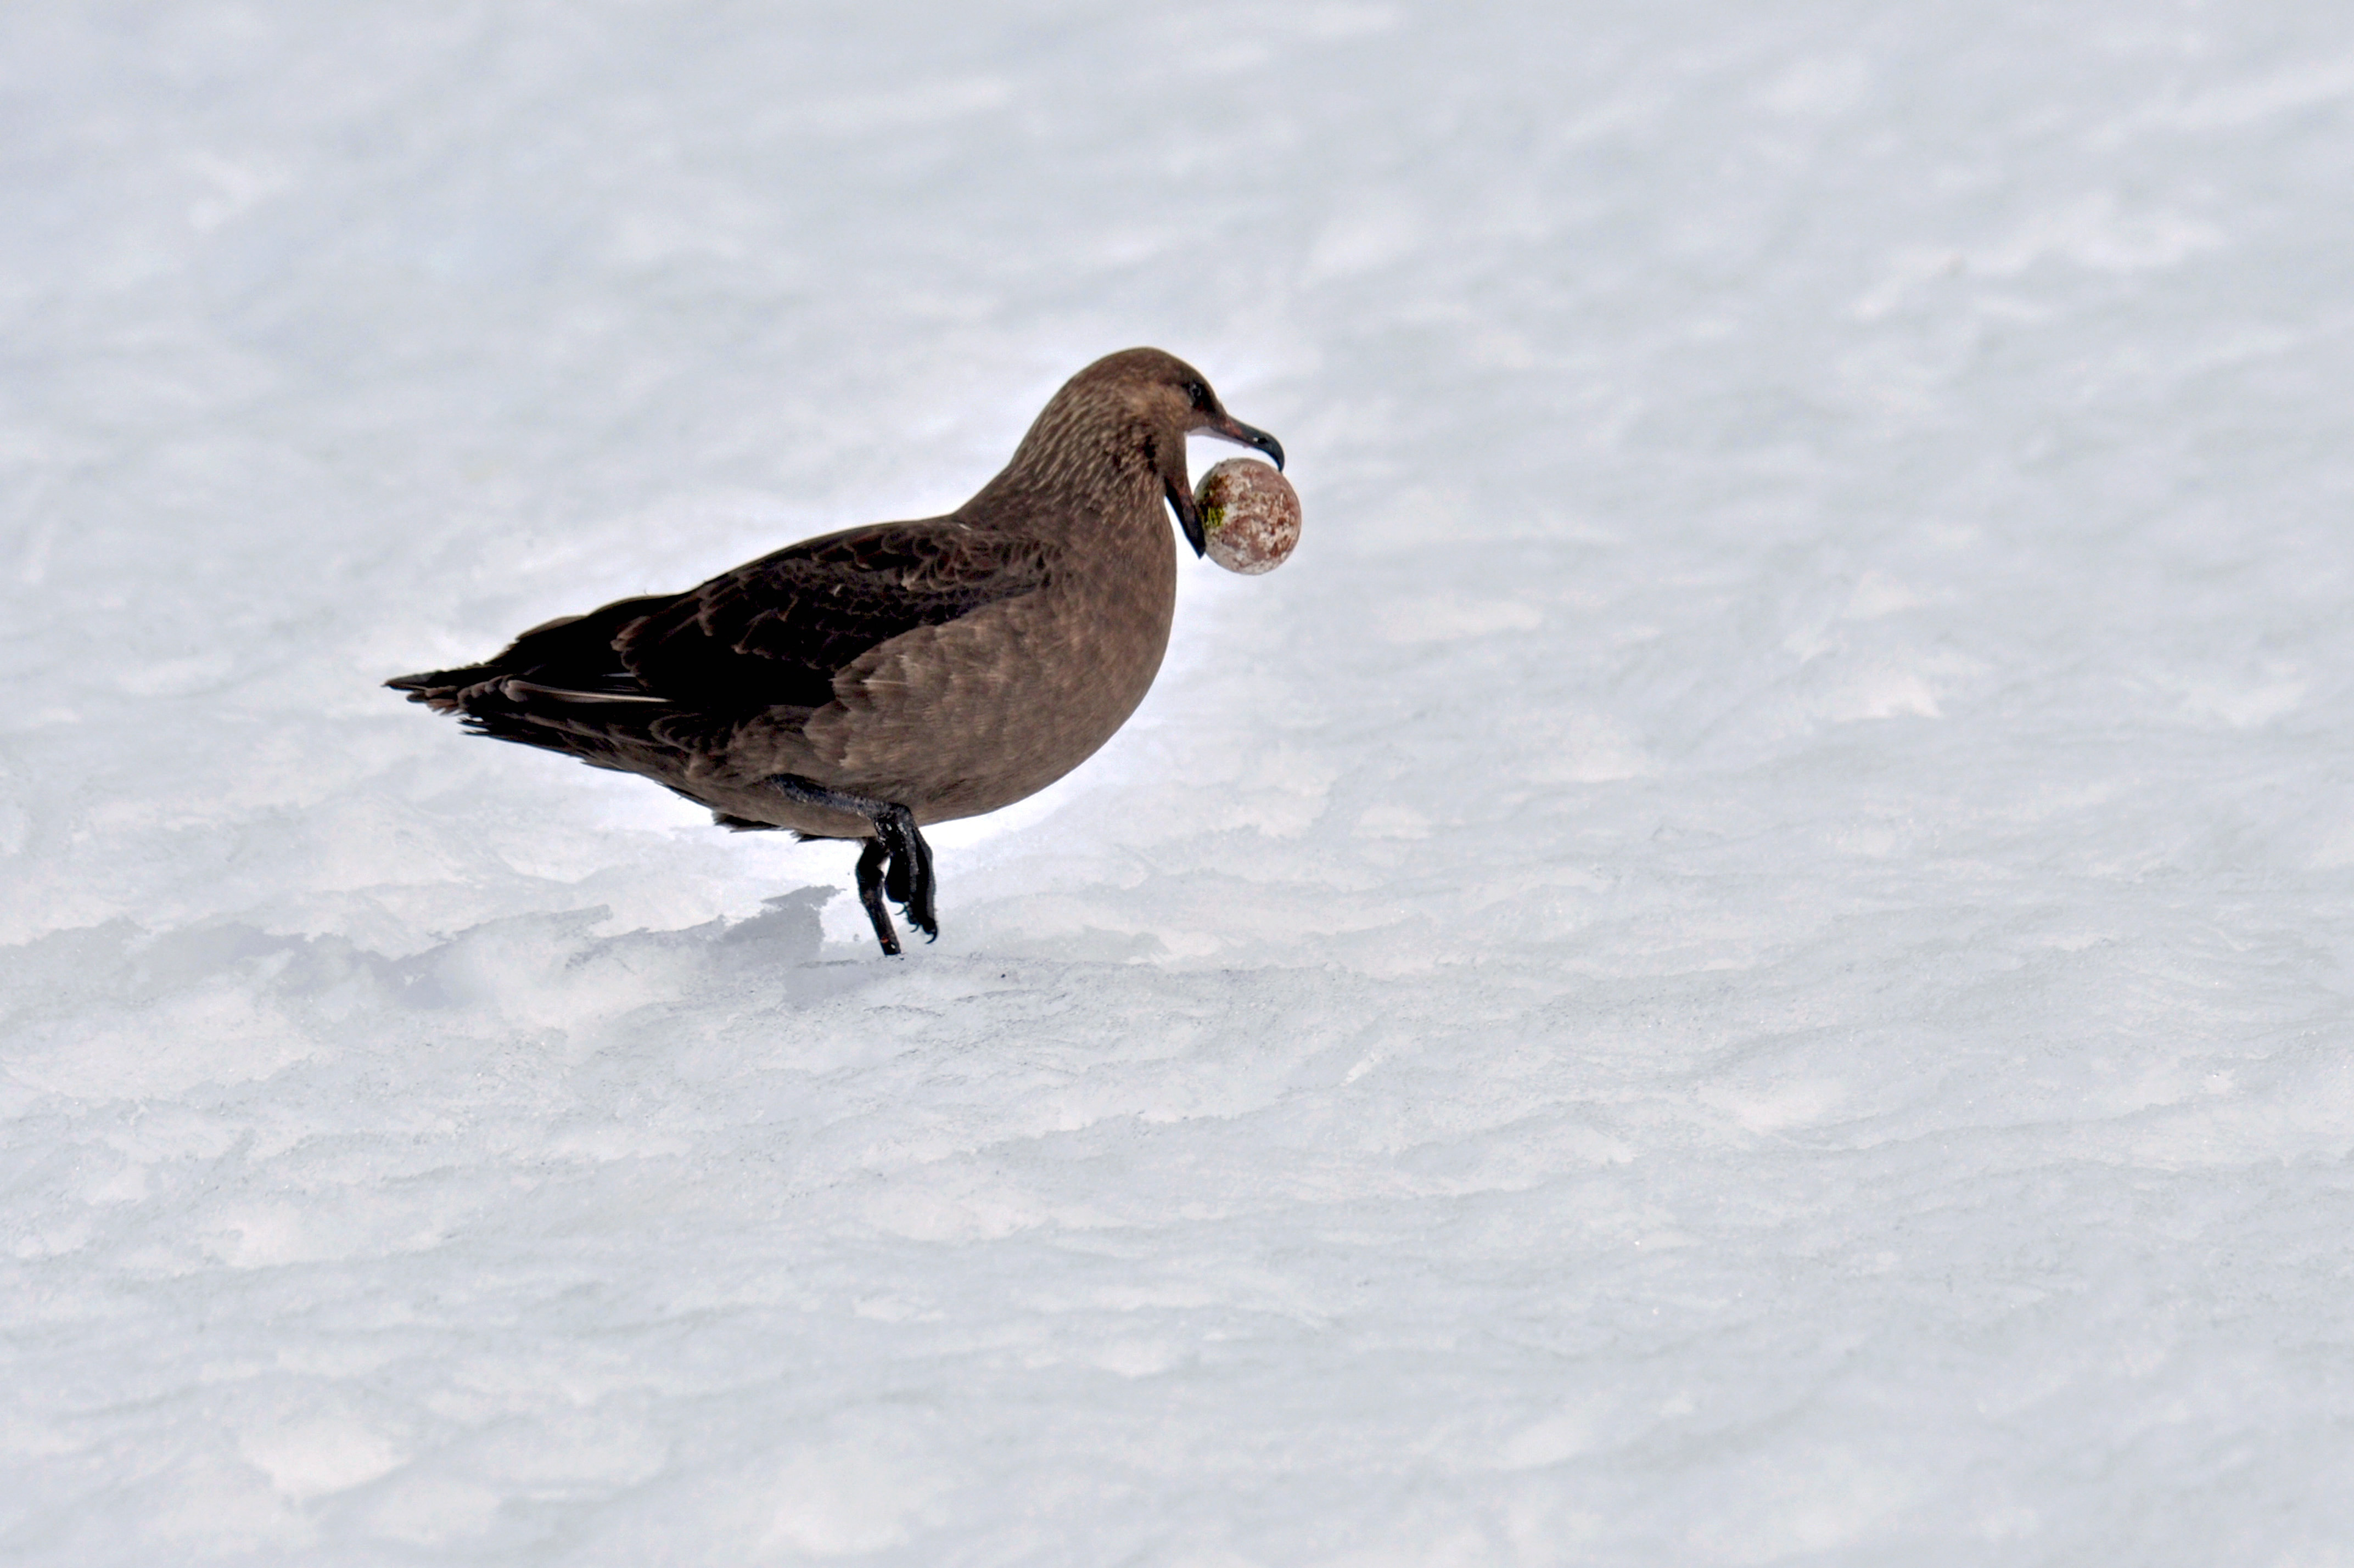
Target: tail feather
[440,688]
[563,663]
[563,687]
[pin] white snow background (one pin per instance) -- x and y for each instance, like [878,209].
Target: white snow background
[1743,959]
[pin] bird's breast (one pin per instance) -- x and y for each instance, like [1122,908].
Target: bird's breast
[962,718]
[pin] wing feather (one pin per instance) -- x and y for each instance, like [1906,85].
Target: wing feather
[772,632]
[777,630]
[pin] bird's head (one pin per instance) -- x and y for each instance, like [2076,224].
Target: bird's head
[1154,401]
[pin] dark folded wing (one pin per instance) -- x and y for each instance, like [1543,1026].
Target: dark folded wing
[772,632]
[573,654]
[776,630]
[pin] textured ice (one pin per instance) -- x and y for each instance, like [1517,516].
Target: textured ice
[1743,960]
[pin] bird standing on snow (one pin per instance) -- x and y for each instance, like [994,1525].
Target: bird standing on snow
[861,684]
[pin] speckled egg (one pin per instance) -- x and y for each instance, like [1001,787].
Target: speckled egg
[1250,514]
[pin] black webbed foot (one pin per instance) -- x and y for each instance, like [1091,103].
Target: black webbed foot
[909,881]
[896,862]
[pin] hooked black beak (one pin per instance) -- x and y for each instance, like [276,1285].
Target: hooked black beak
[1233,429]
[1177,488]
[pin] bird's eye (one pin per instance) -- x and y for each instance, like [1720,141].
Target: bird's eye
[1199,394]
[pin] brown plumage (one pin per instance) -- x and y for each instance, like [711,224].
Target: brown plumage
[861,685]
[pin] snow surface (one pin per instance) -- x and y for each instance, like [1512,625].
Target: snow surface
[1745,959]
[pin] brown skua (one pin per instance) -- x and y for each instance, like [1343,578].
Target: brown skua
[863,684]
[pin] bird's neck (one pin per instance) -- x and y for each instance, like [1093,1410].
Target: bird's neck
[1089,476]
[1076,448]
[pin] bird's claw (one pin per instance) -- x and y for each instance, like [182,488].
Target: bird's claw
[895,863]
[909,881]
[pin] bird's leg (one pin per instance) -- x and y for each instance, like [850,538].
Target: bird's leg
[870,893]
[909,879]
